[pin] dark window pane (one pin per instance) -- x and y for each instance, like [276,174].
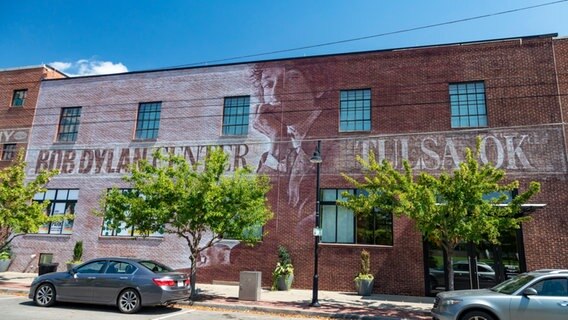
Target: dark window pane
[340,225]
[69,124]
[8,151]
[355,110]
[467,104]
[148,122]
[19,98]
[235,115]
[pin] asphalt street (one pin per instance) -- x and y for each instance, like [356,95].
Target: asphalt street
[22,308]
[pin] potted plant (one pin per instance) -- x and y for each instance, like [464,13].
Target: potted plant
[77,256]
[364,280]
[283,274]
[5,259]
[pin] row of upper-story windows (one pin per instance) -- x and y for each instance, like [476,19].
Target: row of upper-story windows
[467,106]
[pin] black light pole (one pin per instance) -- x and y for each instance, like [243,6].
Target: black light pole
[316,158]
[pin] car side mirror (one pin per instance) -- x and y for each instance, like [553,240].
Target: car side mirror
[530,292]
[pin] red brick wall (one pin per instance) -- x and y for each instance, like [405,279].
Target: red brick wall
[20,118]
[410,104]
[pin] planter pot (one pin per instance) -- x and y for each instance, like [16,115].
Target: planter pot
[71,266]
[364,286]
[4,264]
[284,282]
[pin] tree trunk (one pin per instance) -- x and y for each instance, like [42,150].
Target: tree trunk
[449,267]
[193,277]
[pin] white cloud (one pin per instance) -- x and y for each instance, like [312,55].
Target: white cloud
[86,67]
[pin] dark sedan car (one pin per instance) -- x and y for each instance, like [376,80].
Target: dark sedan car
[126,283]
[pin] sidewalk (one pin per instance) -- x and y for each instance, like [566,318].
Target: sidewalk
[344,305]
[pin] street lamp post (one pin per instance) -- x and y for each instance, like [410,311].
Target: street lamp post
[316,158]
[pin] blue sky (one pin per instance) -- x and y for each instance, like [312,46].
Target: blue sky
[90,37]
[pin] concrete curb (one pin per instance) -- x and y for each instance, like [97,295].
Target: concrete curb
[17,292]
[236,307]
[287,311]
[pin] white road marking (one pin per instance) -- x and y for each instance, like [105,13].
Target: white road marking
[174,314]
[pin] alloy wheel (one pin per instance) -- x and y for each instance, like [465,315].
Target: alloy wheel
[129,301]
[45,295]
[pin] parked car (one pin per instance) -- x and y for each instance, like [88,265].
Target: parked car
[541,294]
[485,273]
[127,283]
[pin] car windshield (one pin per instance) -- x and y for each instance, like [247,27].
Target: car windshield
[513,284]
[155,266]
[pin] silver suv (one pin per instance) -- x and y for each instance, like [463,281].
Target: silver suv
[541,294]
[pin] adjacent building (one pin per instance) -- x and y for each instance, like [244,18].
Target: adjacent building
[422,104]
[19,89]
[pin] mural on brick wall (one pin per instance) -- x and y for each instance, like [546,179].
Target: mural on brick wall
[288,105]
[14,135]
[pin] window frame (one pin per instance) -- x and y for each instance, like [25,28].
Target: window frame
[386,225]
[354,104]
[19,101]
[69,204]
[148,121]
[235,116]
[9,149]
[463,101]
[69,124]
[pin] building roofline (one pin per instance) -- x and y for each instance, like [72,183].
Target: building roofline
[204,65]
[52,68]
[39,66]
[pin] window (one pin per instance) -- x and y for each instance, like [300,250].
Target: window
[19,97]
[123,230]
[467,102]
[61,201]
[8,152]
[148,121]
[236,116]
[355,110]
[69,124]
[117,267]
[555,287]
[92,267]
[340,225]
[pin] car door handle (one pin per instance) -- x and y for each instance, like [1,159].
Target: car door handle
[563,304]
[123,278]
[91,278]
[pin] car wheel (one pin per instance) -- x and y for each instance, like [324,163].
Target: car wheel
[45,295]
[129,301]
[477,315]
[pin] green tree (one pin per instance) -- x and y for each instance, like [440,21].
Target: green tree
[20,215]
[200,206]
[448,209]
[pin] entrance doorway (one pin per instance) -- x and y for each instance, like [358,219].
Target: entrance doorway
[475,266]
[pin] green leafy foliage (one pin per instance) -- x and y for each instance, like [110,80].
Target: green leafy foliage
[6,253]
[284,266]
[448,209]
[77,252]
[18,213]
[200,206]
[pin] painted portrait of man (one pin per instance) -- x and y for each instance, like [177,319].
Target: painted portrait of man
[286,113]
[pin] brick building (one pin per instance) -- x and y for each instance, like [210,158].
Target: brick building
[423,104]
[19,88]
